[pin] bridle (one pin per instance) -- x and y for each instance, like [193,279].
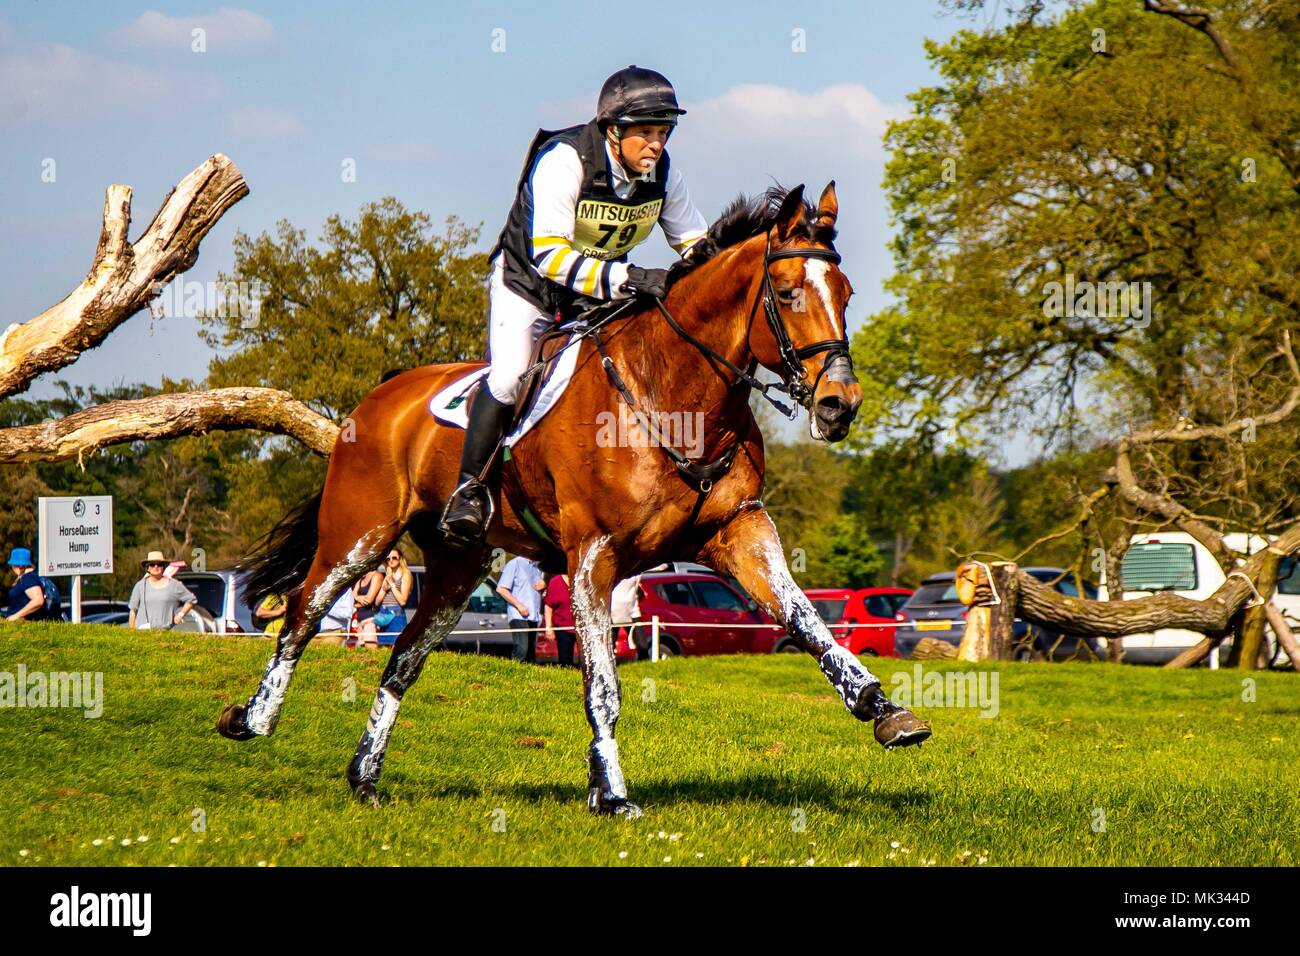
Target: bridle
[794,380]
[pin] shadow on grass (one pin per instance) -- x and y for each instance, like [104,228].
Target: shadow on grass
[773,790]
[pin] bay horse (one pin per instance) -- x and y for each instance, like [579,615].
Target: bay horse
[602,509]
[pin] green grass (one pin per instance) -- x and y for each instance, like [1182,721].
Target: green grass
[726,760]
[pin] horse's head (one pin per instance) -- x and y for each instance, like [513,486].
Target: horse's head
[804,339]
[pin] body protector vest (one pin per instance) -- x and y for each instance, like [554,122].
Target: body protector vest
[606,227]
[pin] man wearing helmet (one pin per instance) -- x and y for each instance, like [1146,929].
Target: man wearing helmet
[588,194]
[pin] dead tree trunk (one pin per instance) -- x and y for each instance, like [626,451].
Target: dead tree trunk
[991,592]
[1035,602]
[124,278]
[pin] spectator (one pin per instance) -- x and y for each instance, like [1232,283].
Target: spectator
[157,601]
[272,610]
[337,621]
[521,585]
[394,593]
[368,592]
[27,596]
[559,618]
[625,611]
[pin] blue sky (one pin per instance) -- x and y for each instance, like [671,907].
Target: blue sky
[417,97]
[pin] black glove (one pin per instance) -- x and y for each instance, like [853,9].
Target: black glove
[647,282]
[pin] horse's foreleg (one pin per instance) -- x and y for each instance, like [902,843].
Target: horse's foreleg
[446,593]
[748,548]
[591,587]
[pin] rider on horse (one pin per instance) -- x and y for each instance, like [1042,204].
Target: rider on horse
[587,195]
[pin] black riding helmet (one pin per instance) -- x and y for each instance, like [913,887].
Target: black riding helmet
[637,95]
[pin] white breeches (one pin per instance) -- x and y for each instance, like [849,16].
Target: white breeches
[514,325]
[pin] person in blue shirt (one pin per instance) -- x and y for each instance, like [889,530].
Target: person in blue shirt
[521,585]
[26,596]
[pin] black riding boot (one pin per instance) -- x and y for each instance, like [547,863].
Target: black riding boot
[466,515]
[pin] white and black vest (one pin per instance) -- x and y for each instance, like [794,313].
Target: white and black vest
[605,227]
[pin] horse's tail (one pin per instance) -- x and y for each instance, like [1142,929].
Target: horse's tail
[281,560]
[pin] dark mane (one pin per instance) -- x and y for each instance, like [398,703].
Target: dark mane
[748,216]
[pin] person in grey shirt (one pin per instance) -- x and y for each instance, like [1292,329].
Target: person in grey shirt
[521,585]
[157,601]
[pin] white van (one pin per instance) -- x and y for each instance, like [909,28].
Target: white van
[1175,561]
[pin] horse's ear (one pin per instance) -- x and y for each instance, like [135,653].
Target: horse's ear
[791,213]
[828,207]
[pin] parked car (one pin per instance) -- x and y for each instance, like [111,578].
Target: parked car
[107,617]
[221,594]
[840,607]
[934,611]
[718,604]
[486,609]
[1175,561]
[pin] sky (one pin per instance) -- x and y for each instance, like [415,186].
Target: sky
[433,105]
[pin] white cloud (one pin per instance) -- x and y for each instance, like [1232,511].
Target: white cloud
[52,82]
[263,123]
[847,118]
[229,30]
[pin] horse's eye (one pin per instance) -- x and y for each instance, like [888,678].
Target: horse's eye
[785,295]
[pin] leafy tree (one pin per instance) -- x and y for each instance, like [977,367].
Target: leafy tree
[1104,145]
[381,292]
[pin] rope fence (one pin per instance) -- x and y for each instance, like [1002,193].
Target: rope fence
[655,625]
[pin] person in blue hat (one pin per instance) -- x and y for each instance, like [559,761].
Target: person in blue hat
[26,597]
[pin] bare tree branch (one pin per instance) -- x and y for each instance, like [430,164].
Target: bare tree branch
[124,277]
[169,416]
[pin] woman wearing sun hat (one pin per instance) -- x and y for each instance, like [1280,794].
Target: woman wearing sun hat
[26,596]
[157,601]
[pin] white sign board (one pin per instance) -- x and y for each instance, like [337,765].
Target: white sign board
[76,535]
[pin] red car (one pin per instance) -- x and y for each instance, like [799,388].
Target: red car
[842,606]
[717,604]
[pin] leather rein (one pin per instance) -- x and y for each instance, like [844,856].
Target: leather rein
[794,380]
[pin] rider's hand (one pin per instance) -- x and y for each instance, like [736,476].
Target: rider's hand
[647,281]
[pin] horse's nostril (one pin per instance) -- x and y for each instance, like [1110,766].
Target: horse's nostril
[832,407]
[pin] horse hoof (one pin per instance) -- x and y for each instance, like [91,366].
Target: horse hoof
[902,728]
[365,793]
[231,723]
[603,804]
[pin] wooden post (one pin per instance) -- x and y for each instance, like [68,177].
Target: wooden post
[76,599]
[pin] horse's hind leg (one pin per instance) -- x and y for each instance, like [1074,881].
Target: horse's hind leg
[748,547]
[448,583]
[335,565]
[592,584]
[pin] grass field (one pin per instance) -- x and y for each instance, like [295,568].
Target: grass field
[736,761]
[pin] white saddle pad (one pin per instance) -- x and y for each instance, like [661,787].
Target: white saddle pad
[449,405]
